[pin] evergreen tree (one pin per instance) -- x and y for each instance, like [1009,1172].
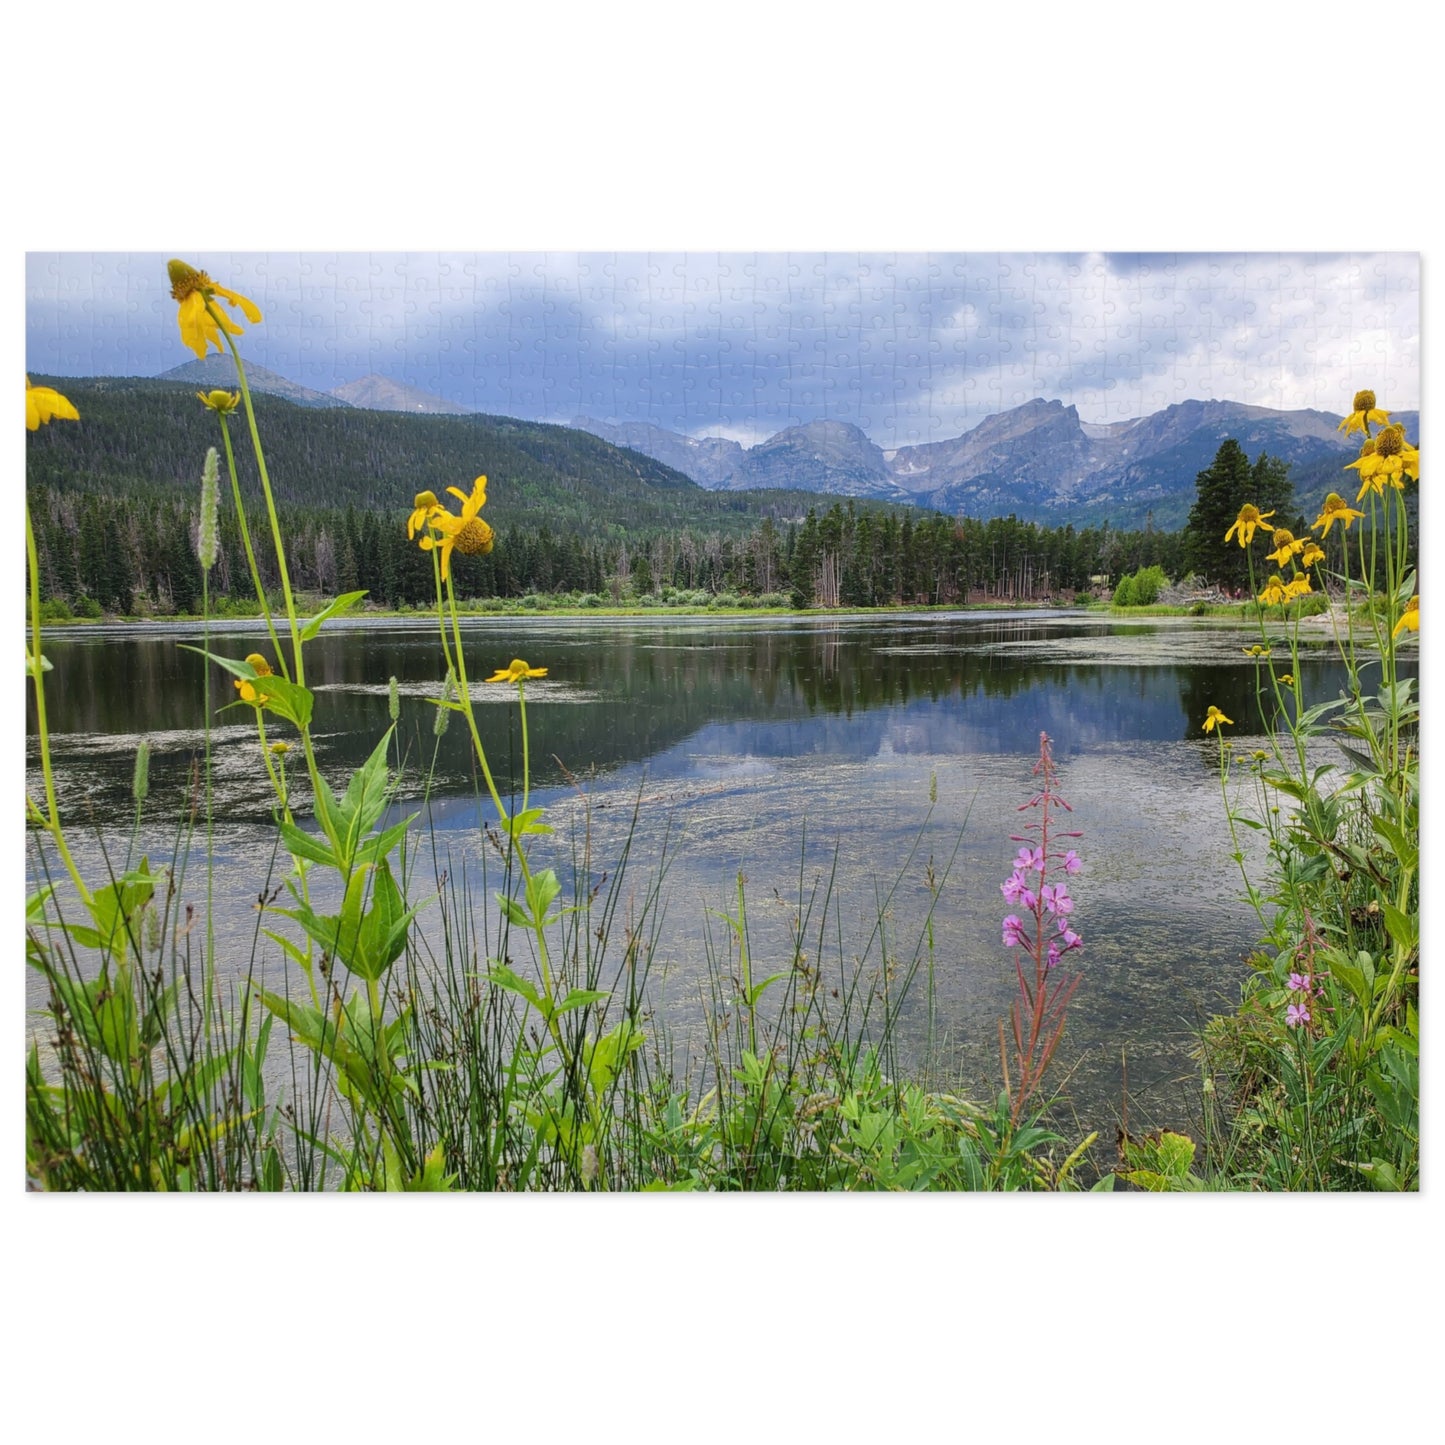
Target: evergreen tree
[1222,490]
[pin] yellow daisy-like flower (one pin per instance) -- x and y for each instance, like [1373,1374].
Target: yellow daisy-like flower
[1334,510]
[1274,591]
[1286,545]
[1248,519]
[220,401]
[246,688]
[466,533]
[1386,458]
[1215,716]
[1311,554]
[425,504]
[1410,617]
[1364,412]
[1297,586]
[1287,678]
[199,326]
[1256,651]
[516,672]
[45,404]
[280,749]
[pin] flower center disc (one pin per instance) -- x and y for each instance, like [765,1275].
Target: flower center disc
[475,536]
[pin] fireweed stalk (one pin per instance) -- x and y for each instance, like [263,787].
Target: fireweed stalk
[1042,933]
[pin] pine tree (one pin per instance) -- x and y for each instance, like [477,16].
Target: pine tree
[1222,490]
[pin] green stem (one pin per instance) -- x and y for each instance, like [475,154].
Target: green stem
[276,537]
[250,550]
[37,676]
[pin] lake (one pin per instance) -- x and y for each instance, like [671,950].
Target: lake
[781,747]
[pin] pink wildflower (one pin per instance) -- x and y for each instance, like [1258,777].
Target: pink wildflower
[1297,1014]
[1013,932]
[1072,862]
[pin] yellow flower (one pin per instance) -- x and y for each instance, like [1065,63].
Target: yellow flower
[466,533]
[1248,519]
[1287,678]
[1410,617]
[1334,510]
[1256,651]
[426,505]
[1311,555]
[1215,716]
[1364,412]
[1297,586]
[516,672]
[220,401]
[1386,458]
[247,690]
[1286,545]
[1274,592]
[193,289]
[44,404]
[280,748]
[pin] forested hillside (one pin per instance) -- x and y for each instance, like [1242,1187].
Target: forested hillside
[115,503]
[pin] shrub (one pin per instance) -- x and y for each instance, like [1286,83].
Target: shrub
[1124,592]
[1149,582]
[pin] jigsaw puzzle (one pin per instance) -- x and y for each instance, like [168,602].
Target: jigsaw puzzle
[692,720]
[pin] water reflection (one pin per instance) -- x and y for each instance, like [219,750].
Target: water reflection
[620,694]
[736,735]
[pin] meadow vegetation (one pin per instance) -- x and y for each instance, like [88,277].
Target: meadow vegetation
[444,1031]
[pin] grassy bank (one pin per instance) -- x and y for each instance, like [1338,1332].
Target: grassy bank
[444,1031]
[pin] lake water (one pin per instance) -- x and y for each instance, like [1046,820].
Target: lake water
[744,738]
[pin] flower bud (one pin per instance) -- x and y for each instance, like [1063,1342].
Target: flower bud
[208,541]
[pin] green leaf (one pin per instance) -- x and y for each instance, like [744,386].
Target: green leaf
[382,938]
[542,888]
[365,798]
[332,609]
[504,977]
[321,1036]
[1399,844]
[238,669]
[114,909]
[580,998]
[375,848]
[527,823]
[287,699]
[1404,928]
[306,845]
[1352,979]
[753,994]
[1176,1154]
[513,912]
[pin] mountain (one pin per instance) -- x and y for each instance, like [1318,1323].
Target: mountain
[381,393]
[1037,461]
[831,457]
[710,461]
[824,456]
[220,370]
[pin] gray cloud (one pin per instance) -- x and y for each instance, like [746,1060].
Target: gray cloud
[910,347]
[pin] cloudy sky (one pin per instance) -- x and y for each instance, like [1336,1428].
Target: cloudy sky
[911,347]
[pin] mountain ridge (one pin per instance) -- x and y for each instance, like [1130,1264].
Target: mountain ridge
[1036,460]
